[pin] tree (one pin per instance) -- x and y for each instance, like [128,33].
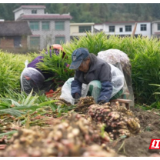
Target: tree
[74,12]
[95,12]
[155,10]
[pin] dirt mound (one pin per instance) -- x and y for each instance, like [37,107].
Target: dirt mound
[138,145]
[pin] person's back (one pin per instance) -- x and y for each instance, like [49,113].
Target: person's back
[33,64]
[34,78]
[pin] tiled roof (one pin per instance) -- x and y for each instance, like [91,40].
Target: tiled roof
[35,35]
[14,28]
[122,22]
[60,35]
[127,21]
[45,16]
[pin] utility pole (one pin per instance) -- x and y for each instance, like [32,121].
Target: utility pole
[134,30]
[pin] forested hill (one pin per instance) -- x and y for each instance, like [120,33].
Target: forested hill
[93,12]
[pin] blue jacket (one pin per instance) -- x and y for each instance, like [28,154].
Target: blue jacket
[99,70]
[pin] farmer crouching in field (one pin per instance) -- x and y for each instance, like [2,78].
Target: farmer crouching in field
[93,77]
[34,78]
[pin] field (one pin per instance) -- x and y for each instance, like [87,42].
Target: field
[138,146]
[48,126]
[48,135]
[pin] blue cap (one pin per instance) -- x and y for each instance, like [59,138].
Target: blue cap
[77,57]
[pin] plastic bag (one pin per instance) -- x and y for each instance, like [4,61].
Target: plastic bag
[66,91]
[126,93]
[117,80]
[26,63]
[29,75]
[114,56]
[121,61]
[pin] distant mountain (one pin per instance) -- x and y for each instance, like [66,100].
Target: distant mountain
[93,12]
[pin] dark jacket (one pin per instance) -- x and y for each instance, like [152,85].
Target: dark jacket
[99,70]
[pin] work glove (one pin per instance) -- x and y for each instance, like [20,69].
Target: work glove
[77,97]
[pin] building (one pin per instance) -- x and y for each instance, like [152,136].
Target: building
[156,29]
[143,28]
[13,36]
[80,29]
[46,28]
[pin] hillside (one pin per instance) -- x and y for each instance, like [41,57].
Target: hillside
[93,12]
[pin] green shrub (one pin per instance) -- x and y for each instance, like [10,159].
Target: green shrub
[144,54]
[10,71]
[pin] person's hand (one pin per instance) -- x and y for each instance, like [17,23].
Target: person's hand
[77,96]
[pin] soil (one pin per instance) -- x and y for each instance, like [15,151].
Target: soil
[138,145]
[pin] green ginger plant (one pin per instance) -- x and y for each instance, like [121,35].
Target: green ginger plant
[10,70]
[58,66]
[143,53]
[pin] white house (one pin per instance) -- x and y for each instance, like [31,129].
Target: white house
[156,28]
[125,28]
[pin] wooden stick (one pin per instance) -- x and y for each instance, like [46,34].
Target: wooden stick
[134,30]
